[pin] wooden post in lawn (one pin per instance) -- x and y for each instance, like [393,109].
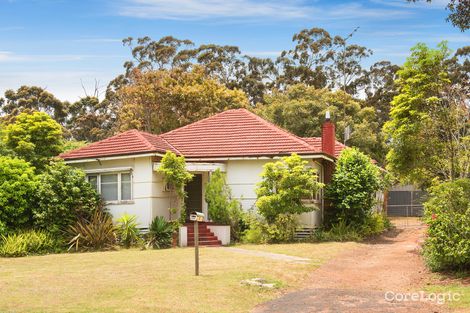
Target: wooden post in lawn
[196,245]
[196,217]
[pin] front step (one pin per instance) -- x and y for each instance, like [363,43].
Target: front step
[206,237]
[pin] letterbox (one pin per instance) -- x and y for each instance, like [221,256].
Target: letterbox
[196,216]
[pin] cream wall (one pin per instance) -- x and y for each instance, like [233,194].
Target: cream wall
[148,197]
[244,175]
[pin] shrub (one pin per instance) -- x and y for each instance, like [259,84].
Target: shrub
[160,233]
[35,137]
[95,233]
[259,231]
[375,224]
[255,231]
[222,209]
[173,169]
[27,243]
[62,197]
[354,185]
[283,228]
[447,212]
[284,185]
[17,185]
[338,232]
[127,230]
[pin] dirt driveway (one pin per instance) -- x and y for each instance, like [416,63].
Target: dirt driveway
[360,280]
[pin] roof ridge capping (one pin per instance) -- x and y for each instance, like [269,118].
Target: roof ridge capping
[140,135]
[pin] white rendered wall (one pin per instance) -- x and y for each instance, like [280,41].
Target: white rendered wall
[148,199]
[242,177]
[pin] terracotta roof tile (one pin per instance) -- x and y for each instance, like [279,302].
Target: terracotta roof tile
[129,142]
[235,132]
[316,143]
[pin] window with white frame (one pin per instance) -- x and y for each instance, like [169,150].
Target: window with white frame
[113,187]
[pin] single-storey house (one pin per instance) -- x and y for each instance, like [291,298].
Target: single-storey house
[123,168]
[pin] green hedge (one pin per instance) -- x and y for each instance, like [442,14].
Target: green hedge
[447,212]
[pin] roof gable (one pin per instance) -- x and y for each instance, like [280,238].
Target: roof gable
[129,142]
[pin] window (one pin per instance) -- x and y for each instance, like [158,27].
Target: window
[93,180]
[113,187]
[126,187]
[109,187]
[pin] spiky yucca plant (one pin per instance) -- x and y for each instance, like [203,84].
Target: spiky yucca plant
[127,230]
[160,233]
[96,233]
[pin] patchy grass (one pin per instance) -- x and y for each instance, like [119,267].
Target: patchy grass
[463,290]
[153,280]
[315,251]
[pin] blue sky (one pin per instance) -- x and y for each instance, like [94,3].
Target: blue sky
[60,45]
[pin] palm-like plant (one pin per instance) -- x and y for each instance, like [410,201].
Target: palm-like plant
[127,230]
[95,233]
[160,233]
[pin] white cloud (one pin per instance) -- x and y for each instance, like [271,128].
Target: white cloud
[423,4]
[203,9]
[66,85]
[10,57]
[254,10]
[356,10]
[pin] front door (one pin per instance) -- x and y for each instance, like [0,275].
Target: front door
[193,191]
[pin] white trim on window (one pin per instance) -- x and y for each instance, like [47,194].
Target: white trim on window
[119,185]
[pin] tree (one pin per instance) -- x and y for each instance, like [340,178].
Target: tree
[284,185]
[429,128]
[301,109]
[353,188]
[256,78]
[460,13]
[35,137]
[17,186]
[167,52]
[159,101]
[320,60]
[32,98]
[63,196]
[380,88]
[173,169]
[90,119]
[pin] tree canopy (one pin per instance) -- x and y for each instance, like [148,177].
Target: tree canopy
[34,137]
[159,101]
[429,129]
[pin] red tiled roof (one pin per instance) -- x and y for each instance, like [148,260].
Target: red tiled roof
[129,142]
[235,132]
[316,143]
[231,133]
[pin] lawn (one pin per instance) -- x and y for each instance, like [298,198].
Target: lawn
[454,283]
[153,280]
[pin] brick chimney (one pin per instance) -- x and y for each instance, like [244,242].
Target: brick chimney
[328,136]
